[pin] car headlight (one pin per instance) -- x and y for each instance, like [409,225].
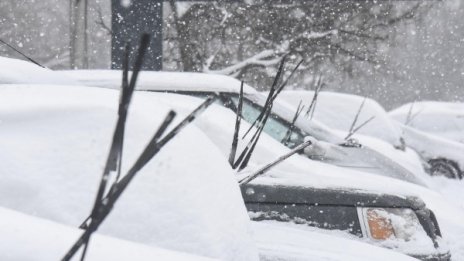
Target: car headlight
[391,223]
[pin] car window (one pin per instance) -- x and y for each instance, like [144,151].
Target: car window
[275,127]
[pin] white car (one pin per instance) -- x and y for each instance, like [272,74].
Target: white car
[434,129]
[443,119]
[338,111]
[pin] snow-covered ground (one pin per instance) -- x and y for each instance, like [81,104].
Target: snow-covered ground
[28,238]
[453,231]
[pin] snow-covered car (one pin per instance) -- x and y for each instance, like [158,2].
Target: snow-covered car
[338,111]
[48,131]
[186,83]
[298,242]
[19,71]
[328,145]
[378,218]
[442,155]
[434,129]
[444,119]
[55,140]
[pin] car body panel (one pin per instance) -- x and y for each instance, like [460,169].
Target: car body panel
[443,119]
[335,209]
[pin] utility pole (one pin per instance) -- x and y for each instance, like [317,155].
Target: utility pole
[131,19]
[78,45]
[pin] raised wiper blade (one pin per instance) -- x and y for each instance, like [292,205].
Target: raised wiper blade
[355,120]
[289,132]
[114,157]
[312,105]
[233,150]
[359,127]
[269,98]
[282,86]
[272,164]
[153,147]
[107,203]
[22,54]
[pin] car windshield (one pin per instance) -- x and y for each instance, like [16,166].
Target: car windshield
[275,126]
[312,128]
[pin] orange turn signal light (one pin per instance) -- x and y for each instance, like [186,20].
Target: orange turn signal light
[380,226]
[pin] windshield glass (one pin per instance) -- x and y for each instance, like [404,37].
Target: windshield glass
[275,126]
[286,112]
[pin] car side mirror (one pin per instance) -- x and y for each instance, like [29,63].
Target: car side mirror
[316,149]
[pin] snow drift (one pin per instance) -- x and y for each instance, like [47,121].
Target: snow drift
[32,238]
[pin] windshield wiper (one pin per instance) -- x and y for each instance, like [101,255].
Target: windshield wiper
[354,129]
[22,54]
[312,105]
[291,128]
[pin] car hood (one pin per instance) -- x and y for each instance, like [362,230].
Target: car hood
[287,241]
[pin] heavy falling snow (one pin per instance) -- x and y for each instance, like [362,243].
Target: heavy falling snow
[231,130]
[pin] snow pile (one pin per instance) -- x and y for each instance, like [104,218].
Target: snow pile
[55,140]
[149,80]
[445,119]
[31,238]
[19,71]
[454,234]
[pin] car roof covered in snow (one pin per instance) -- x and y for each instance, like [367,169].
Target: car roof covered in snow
[20,72]
[191,82]
[160,81]
[426,107]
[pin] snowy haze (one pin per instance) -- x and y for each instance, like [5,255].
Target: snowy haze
[421,59]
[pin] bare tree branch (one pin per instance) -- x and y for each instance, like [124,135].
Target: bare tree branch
[264,58]
[101,22]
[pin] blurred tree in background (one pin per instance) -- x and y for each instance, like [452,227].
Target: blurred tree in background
[392,51]
[246,40]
